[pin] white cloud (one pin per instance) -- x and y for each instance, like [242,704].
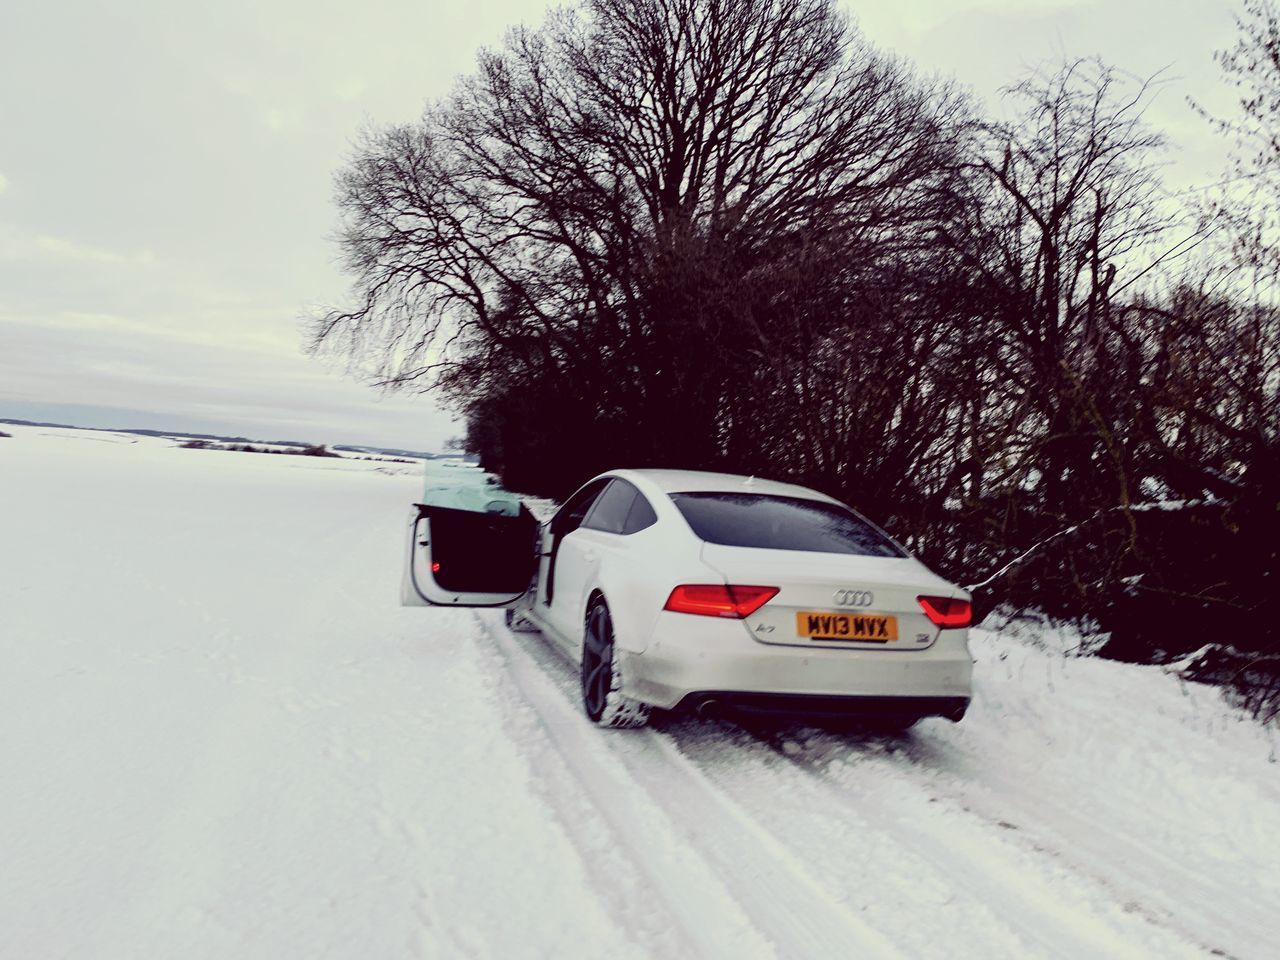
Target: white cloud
[233,187]
[79,320]
[17,244]
[71,250]
[278,119]
[250,388]
[350,89]
[4,183]
[224,132]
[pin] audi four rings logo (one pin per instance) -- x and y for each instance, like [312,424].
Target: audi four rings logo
[854,598]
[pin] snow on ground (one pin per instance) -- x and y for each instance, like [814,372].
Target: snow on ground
[223,738]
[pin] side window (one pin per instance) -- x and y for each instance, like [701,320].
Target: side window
[640,516]
[610,512]
[572,513]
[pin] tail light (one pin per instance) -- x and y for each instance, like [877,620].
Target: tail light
[947,612]
[719,599]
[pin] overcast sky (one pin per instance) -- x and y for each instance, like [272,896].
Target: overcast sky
[166,170]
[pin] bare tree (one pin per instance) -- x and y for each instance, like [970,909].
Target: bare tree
[731,234]
[1244,209]
[631,203]
[1067,210]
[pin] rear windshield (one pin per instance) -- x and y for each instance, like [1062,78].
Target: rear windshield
[781,523]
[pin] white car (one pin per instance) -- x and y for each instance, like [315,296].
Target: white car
[676,588]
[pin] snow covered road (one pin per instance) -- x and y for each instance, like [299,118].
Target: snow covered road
[223,738]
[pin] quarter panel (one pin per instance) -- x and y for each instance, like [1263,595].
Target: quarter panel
[638,572]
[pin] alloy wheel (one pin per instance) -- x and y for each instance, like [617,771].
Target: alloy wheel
[597,661]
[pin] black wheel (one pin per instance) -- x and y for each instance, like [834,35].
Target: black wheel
[602,697]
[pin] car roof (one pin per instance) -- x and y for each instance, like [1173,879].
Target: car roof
[700,481]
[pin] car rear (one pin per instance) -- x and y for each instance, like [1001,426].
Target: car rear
[811,610]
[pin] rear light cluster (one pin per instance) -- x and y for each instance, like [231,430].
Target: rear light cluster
[719,599]
[947,612]
[737,601]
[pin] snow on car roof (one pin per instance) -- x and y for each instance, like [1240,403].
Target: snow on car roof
[699,481]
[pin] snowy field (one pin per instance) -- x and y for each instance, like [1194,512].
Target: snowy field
[224,739]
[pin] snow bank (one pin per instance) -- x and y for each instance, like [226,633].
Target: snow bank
[223,738]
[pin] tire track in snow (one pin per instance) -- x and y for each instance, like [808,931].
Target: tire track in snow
[1028,902]
[638,779]
[1167,891]
[628,891]
[784,897]
[702,913]
[1156,886]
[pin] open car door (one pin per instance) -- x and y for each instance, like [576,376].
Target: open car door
[468,558]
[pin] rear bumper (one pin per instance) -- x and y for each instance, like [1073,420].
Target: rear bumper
[820,706]
[697,657]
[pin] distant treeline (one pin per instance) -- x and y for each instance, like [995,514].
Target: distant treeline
[316,450]
[144,432]
[313,450]
[216,438]
[737,236]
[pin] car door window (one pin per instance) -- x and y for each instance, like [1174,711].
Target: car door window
[640,516]
[610,511]
[564,523]
[575,511]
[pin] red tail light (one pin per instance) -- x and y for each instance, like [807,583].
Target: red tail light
[719,600]
[946,612]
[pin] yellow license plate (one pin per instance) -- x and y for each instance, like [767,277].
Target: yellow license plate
[861,627]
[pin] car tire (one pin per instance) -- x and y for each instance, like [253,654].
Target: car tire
[602,697]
